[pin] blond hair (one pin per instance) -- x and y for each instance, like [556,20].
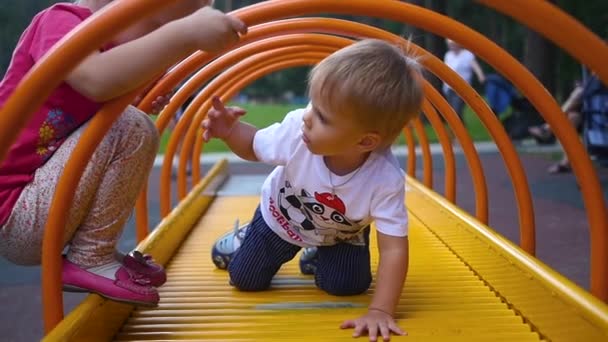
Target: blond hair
[375,81]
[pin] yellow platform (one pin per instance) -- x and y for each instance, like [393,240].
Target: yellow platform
[465,283]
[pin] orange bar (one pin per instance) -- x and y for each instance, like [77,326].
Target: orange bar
[516,73]
[470,153]
[512,162]
[141,214]
[435,65]
[217,87]
[575,38]
[52,245]
[588,48]
[204,74]
[446,146]
[343,28]
[411,150]
[427,159]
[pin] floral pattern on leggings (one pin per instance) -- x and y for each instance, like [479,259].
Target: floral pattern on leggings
[103,201]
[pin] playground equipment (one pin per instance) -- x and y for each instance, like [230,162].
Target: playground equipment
[466,283]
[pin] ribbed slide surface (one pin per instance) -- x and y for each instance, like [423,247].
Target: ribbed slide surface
[443,299]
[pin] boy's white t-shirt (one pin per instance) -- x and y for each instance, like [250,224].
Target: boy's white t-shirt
[297,200]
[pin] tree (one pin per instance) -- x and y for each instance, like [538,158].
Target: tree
[540,58]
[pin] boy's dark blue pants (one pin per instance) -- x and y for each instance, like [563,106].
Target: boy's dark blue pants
[342,269]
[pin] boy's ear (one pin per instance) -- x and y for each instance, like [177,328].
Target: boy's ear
[370,142]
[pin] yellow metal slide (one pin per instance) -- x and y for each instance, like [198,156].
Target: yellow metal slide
[465,284]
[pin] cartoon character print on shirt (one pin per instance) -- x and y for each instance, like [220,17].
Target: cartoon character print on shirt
[324,213]
[53,132]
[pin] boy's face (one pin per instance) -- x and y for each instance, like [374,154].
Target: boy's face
[328,133]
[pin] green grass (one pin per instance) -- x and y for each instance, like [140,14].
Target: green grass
[263,115]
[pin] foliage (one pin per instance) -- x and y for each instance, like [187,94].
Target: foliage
[14,16]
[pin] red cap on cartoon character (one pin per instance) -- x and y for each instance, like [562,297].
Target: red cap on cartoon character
[332,201]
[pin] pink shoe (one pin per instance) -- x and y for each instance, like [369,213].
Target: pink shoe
[145,267]
[128,287]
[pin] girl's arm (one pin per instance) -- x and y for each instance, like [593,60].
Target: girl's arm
[107,75]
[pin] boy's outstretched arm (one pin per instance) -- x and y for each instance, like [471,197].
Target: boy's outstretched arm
[224,123]
[392,269]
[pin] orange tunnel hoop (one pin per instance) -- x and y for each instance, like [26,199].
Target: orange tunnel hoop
[481,212]
[446,145]
[232,87]
[595,203]
[488,51]
[261,61]
[514,166]
[596,210]
[456,120]
[218,87]
[347,27]
[571,38]
[52,244]
[255,67]
[211,69]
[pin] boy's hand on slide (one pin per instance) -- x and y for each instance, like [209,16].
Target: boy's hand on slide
[220,120]
[375,324]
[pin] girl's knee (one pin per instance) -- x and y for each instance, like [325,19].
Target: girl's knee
[133,133]
[142,126]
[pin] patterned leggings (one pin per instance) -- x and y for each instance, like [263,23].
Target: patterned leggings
[104,198]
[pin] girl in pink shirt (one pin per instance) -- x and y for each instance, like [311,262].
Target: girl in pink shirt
[114,176]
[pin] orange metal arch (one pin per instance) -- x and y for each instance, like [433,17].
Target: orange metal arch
[446,145]
[590,187]
[411,150]
[204,74]
[427,159]
[419,128]
[188,142]
[19,107]
[574,37]
[52,245]
[262,62]
[512,161]
[342,27]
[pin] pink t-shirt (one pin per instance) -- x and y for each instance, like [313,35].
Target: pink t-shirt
[62,113]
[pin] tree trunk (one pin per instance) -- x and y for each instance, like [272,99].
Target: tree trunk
[433,43]
[416,35]
[540,58]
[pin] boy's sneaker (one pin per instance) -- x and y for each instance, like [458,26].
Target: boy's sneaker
[308,260]
[145,267]
[127,287]
[225,247]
